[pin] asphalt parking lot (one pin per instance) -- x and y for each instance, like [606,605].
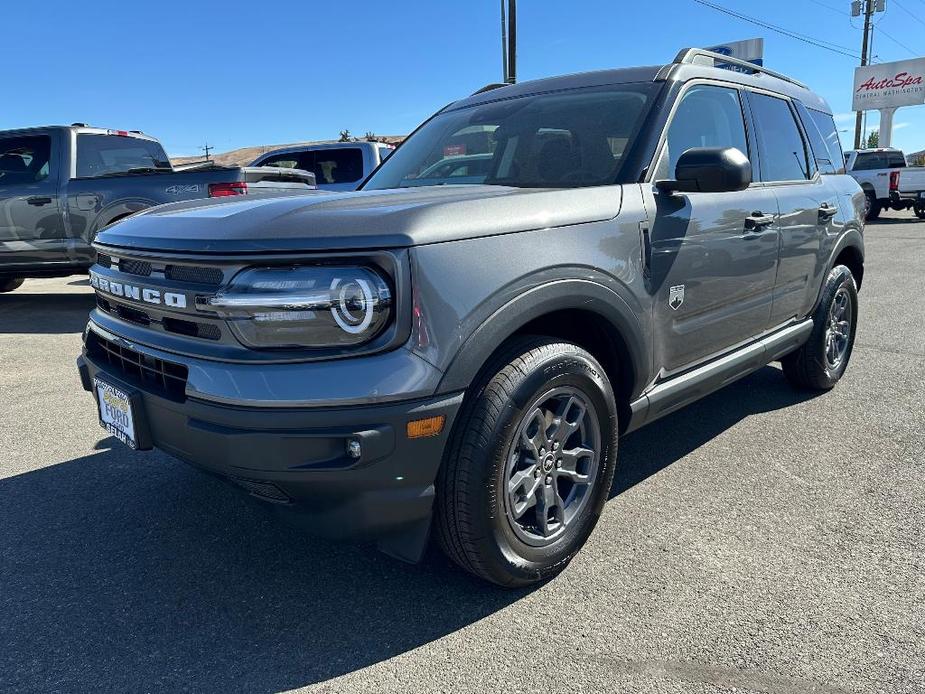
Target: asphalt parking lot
[761,540]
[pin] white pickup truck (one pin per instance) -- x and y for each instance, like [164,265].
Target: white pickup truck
[887,180]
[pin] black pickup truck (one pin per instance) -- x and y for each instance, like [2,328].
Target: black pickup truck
[60,185]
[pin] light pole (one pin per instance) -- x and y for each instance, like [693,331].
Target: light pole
[868,7]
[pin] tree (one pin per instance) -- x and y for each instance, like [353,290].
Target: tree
[345,136]
[372,137]
[873,140]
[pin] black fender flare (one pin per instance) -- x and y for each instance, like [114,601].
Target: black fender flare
[851,238]
[556,295]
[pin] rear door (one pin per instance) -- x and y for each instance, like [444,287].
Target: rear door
[713,255]
[32,227]
[806,205]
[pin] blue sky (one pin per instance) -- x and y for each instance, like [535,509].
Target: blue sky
[250,73]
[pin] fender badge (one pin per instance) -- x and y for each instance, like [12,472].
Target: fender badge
[676,297]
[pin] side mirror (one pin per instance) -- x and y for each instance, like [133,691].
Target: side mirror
[710,170]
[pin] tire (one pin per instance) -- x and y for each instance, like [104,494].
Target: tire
[920,212]
[821,361]
[872,208]
[8,285]
[475,511]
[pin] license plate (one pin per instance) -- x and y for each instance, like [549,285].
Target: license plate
[116,414]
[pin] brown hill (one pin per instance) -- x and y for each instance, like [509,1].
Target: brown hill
[245,155]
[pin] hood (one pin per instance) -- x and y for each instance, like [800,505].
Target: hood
[361,220]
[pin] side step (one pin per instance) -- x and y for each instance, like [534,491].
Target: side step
[682,390]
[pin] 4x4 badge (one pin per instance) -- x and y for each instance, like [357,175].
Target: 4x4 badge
[676,297]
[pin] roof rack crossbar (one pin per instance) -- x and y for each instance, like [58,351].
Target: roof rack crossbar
[701,56]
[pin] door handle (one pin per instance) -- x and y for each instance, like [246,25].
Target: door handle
[38,200]
[826,212]
[757,220]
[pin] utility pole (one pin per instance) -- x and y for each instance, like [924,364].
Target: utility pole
[207,148]
[868,7]
[512,42]
[504,75]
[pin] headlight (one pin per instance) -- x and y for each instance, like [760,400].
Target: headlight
[309,306]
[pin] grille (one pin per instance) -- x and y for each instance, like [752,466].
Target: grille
[103,259]
[198,275]
[152,373]
[205,331]
[141,268]
[132,315]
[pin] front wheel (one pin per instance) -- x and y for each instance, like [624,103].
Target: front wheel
[530,464]
[8,285]
[821,361]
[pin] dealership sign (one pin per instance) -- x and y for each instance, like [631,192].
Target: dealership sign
[889,85]
[750,50]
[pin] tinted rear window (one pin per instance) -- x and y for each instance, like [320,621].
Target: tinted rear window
[111,155]
[340,165]
[24,159]
[895,160]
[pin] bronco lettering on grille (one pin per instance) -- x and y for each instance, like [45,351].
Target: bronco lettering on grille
[136,293]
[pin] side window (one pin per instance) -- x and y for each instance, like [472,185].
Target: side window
[285,161]
[780,144]
[868,162]
[895,160]
[24,160]
[820,150]
[826,126]
[706,117]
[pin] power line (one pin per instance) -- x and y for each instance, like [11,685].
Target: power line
[894,40]
[819,43]
[914,16]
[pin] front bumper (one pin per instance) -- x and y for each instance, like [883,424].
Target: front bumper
[297,458]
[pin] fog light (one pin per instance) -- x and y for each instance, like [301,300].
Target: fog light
[420,428]
[354,450]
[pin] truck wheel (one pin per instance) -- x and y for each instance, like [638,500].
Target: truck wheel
[529,465]
[8,285]
[821,361]
[872,205]
[920,211]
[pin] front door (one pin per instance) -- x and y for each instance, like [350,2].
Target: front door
[713,257]
[31,224]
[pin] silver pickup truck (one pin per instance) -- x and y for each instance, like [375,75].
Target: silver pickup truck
[60,185]
[887,180]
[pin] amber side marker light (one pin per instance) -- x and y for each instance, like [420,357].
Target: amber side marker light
[420,428]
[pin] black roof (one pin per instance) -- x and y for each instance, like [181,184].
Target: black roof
[689,64]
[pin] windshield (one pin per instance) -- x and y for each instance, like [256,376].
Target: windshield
[111,155]
[564,139]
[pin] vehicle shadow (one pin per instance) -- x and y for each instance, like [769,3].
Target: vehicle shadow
[46,314]
[656,446]
[124,571]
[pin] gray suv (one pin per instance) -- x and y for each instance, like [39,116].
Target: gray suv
[457,357]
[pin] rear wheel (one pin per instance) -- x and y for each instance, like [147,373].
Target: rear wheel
[821,361]
[8,285]
[920,211]
[530,464]
[872,205]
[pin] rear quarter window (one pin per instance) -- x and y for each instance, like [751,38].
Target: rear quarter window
[24,160]
[823,136]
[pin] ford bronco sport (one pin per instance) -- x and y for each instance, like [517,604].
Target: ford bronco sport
[457,356]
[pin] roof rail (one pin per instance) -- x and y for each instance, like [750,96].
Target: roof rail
[701,56]
[489,87]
